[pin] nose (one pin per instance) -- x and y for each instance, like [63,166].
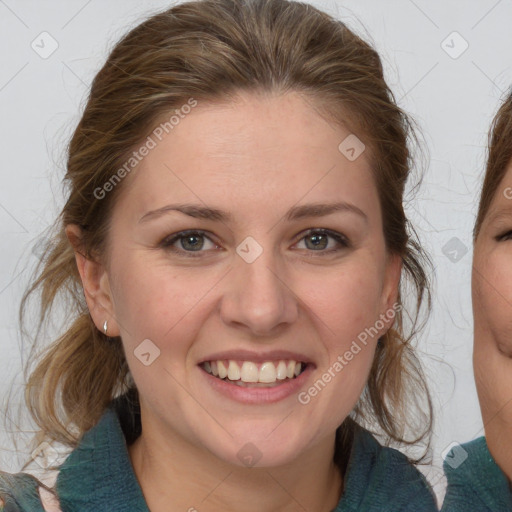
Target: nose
[258,297]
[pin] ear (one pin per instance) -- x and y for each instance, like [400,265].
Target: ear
[390,288]
[95,283]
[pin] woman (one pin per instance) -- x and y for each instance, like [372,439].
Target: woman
[481,481]
[235,222]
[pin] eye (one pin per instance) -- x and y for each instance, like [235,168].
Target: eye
[319,240]
[507,235]
[191,241]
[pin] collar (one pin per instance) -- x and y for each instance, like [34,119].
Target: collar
[477,479]
[98,474]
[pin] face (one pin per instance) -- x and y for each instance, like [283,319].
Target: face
[250,274]
[492,310]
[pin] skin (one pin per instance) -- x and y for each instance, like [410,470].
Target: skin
[492,311]
[292,297]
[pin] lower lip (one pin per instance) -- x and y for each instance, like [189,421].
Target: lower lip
[258,395]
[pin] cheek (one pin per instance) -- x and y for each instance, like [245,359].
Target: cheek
[347,299]
[169,305]
[493,300]
[345,310]
[159,302]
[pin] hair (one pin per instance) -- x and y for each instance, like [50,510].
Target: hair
[211,50]
[498,157]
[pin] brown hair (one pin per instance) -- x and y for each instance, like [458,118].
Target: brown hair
[211,50]
[498,157]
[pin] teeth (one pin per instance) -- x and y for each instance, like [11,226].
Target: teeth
[268,372]
[249,372]
[223,371]
[233,371]
[281,370]
[290,370]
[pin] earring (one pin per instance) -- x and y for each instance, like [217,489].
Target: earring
[105,327]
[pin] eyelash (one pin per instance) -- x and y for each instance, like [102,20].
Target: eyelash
[501,237]
[168,242]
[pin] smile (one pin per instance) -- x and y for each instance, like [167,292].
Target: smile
[252,374]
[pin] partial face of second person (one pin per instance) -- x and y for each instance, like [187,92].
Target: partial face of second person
[492,310]
[196,298]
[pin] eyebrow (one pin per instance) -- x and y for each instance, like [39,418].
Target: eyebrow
[294,213]
[501,214]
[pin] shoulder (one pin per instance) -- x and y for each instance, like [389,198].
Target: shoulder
[475,481]
[382,479]
[22,492]
[91,474]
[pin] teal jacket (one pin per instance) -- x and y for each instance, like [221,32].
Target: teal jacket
[97,476]
[475,483]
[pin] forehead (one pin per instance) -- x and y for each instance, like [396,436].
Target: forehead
[261,149]
[501,205]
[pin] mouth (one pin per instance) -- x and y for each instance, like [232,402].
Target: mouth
[251,374]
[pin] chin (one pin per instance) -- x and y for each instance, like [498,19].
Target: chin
[259,454]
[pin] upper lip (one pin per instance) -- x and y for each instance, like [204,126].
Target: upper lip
[257,357]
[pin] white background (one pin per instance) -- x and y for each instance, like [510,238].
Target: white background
[452,99]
